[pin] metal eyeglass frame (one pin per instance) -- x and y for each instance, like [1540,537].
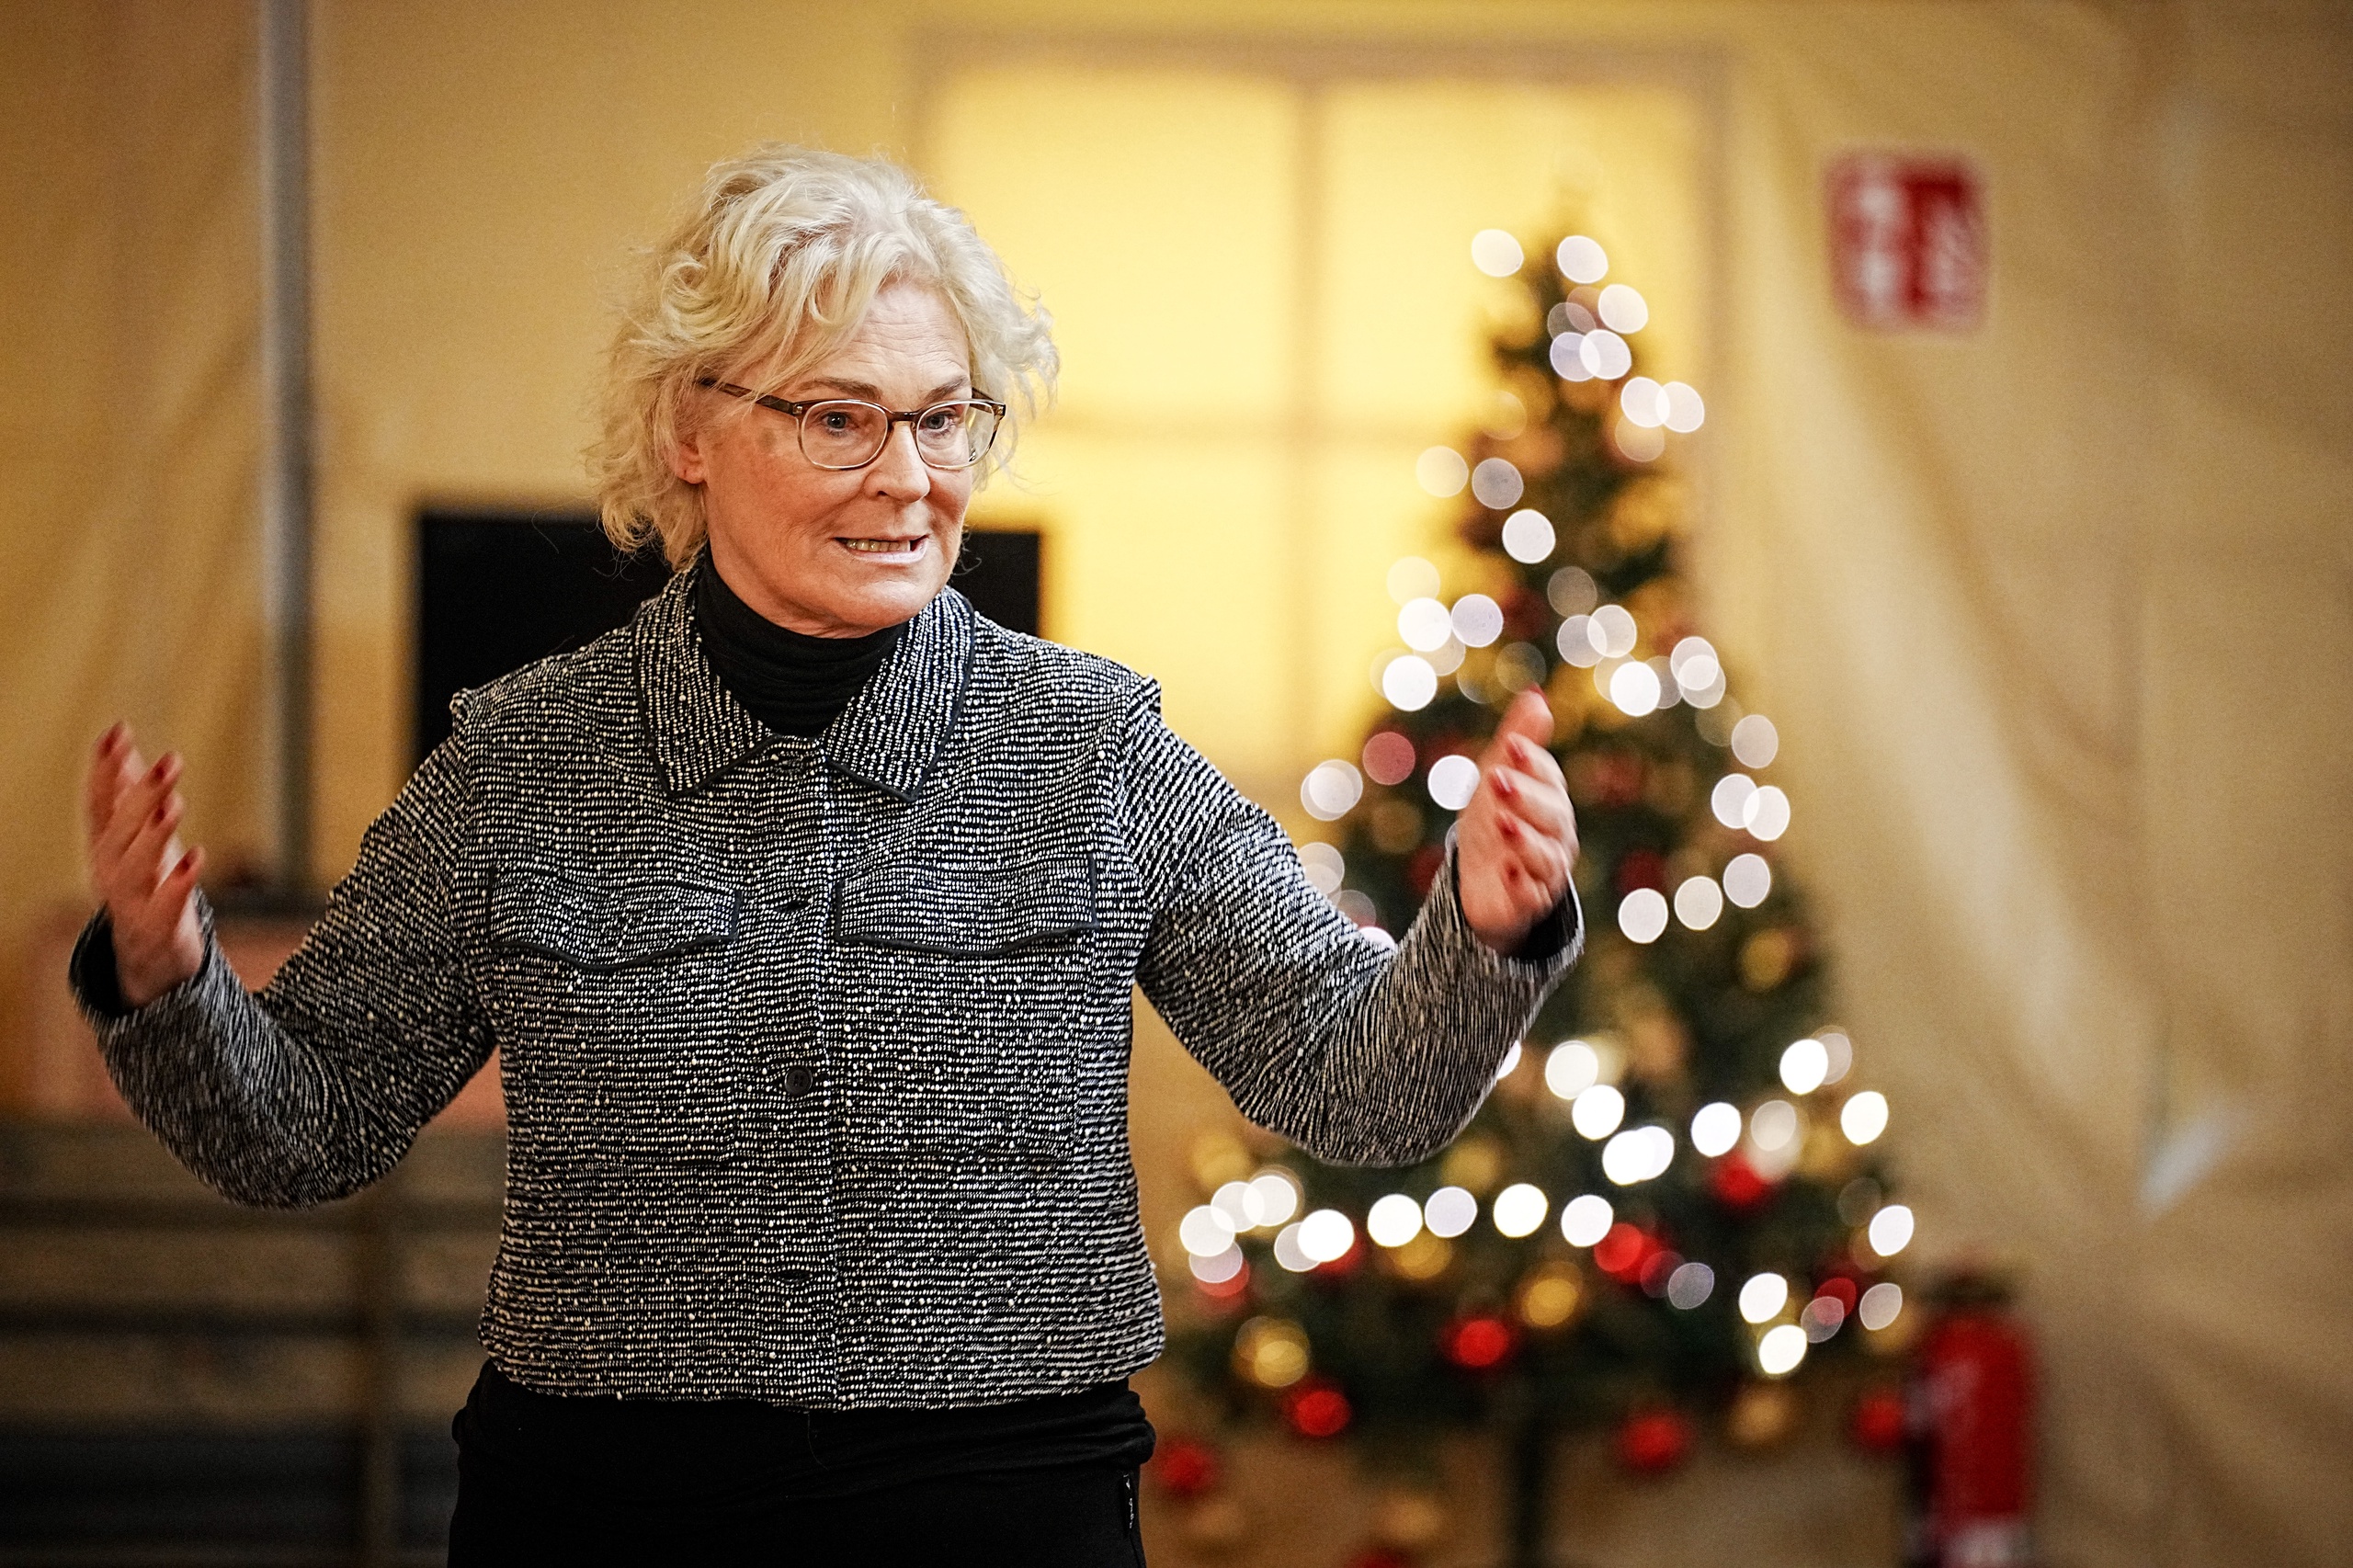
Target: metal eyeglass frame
[892,419]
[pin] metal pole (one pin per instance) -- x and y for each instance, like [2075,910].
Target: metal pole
[286,484]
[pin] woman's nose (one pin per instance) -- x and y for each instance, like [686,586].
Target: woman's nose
[900,472]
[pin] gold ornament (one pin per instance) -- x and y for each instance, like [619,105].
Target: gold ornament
[1408,1520]
[1475,1163]
[1551,1295]
[1397,827]
[1422,1258]
[1270,1352]
[1761,1415]
[1767,958]
[1218,1158]
[1215,1524]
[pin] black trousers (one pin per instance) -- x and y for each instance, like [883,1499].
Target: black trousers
[1079,1517]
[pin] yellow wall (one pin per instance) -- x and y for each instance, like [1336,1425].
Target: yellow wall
[2056,619]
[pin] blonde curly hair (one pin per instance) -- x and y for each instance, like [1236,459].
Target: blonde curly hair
[775,267]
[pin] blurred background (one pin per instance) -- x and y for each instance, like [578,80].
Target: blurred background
[2046,584]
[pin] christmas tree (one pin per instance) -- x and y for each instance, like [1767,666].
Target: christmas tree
[1669,1214]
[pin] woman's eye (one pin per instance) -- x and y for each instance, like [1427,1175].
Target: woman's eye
[834,421]
[939,421]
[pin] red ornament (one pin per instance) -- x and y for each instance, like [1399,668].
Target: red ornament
[1641,869]
[1346,1264]
[1185,1467]
[1379,1557]
[1653,1441]
[1422,870]
[1388,758]
[1736,1184]
[1314,1408]
[1876,1424]
[1973,1391]
[1839,1288]
[1227,1289]
[1477,1344]
[1625,1252]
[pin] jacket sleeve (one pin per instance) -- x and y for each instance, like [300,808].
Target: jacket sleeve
[1358,1055]
[315,1087]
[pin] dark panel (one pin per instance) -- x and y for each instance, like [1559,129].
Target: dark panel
[496,590]
[189,1488]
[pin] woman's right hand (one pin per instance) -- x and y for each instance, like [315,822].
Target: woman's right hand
[148,885]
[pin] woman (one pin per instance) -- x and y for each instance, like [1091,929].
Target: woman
[804,911]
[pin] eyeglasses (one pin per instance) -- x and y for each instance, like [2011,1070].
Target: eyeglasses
[846,432]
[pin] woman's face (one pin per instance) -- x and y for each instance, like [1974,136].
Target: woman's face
[840,553]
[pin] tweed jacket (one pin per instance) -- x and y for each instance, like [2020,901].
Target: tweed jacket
[815,1053]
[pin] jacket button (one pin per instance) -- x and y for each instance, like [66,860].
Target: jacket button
[799,1079]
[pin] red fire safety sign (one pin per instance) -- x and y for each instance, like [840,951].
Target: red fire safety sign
[1907,242]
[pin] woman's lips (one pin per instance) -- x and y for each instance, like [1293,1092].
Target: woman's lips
[885,549]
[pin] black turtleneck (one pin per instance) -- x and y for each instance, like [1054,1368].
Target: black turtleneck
[792,682]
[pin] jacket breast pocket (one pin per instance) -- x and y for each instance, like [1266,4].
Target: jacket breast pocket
[615,1017]
[964,989]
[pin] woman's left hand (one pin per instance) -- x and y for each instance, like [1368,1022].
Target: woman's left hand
[1516,841]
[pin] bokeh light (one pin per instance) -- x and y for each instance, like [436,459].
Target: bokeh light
[1605,354]
[1730,796]
[1575,641]
[1584,1220]
[1581,260]
[1842,1054]
[1567,357]
[1442,472]
[1423,624]
[1880,1305]
[1270,1351]
[1699,903]
[1634,689]
[1891,1230]
[1217,1270]
[1572,591]
[1767,813]
[1204,1231]
[1332,788]
[1326,867]
[1408,683]
[1779,1352]
[1643,401]
[1763,1297]
[1618,632]
[1496,252]
[1411,578]
[1863,1117]
[1496,485]
[1394,1221]
[1388,758]
[1519,1209]
[1642,914]
[1804,1063]
[1638,443]
[1277,1193]
[1773,1126]
[1686,412]
[1449,1212]
[1520,667]
[1622,309]
[1454,778]
[1756,742]
[1510,1064]
[1598,1112]
[1690,1285]
[1747,880]
[1572,1068]
[1326,1234]
[1478,620]
[1528,537]
[1715,1128]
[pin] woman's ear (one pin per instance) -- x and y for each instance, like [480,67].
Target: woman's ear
[687,458]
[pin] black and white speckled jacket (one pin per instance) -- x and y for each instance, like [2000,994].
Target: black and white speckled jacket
[815,1053]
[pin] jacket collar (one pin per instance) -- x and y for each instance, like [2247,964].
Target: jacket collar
[889,736]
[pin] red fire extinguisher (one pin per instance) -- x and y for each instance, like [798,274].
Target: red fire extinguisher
[1970,1425]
